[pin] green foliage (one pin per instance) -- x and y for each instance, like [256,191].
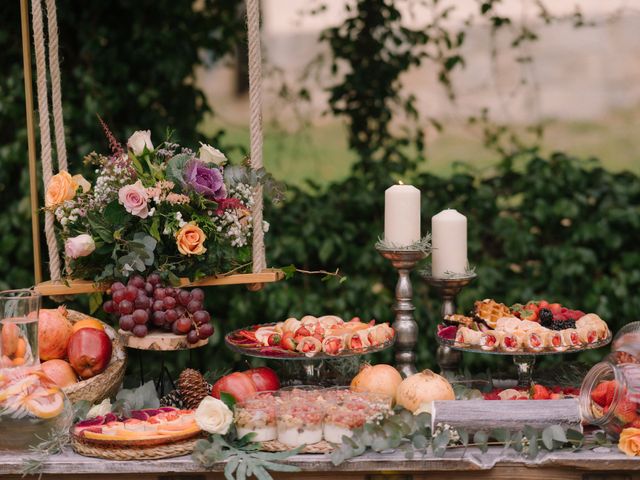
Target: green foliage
[243,457]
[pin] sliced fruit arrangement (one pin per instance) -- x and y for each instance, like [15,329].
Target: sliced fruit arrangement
[310,335]
[141,428]
[536,392]
[28,392]
[536,326]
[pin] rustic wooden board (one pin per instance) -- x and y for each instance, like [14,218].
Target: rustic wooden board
[474,415]
[455,463]
[159,341]
[76,287]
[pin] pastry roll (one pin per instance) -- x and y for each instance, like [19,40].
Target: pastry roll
[536,341]
[554,340]
[309,346]
[511,342]
[587,333]
[357,340]
[466,335]
[491,340]
[591,320]
[291,325]
[380,334]
[508,324]
[328,321]
[528,326]
[570,337]
[309,321]
[333,345]
[263,334]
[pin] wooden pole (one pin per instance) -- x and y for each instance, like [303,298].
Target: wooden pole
[31,140]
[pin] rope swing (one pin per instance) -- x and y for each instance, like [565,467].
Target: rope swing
[47,64]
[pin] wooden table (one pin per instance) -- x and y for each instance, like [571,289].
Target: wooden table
[587,465]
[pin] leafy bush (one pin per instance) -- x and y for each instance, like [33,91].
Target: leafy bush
[558,228]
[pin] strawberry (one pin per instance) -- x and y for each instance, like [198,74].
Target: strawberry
[274,339]
[543,304]
[555,308]
[556,396]
[626,411]
[612,388]
[288,342]
[539,392]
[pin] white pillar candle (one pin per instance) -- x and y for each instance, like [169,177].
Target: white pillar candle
[401,215]
[449,243]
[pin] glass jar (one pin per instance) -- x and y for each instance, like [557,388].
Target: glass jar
[610,395]
[31,405]
[257,415]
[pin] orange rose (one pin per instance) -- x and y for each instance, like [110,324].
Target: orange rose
[61,187]
[629,441]
[190,240]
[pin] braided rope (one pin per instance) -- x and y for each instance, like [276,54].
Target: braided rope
[45,132]
[255,127]
[56,95]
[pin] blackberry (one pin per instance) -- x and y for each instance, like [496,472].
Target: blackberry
[571,323]
[546,317]
[557,326]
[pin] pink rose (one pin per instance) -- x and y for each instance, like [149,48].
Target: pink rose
[79,246]
[134,198]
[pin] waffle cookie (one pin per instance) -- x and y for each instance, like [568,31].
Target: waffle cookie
[489,311]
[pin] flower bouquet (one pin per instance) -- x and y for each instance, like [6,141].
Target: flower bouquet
[165,209]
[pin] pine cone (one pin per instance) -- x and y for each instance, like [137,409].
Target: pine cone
[172,399]
[192,388]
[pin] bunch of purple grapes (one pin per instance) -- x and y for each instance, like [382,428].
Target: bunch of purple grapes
[144,303]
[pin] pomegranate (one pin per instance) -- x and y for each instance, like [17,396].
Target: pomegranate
[264,378]
[54,332]
[236,384]
[377,379]
[417,392]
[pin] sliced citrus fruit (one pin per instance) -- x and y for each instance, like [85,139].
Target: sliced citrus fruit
[20,387]
[46,406]
[510,394]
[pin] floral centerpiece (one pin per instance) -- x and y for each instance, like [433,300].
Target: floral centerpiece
[165,208]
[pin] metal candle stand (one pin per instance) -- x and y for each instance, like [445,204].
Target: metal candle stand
[405,325]
[448,288]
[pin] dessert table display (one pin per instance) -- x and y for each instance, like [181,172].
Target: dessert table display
[160,218]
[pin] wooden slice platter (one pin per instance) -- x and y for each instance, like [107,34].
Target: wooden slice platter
[159,341]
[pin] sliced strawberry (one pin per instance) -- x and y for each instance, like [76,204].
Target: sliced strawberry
[274,339]
[599,394]
[611,391]
[626,411]
[540,392]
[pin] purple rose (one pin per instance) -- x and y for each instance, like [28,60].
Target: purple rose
[205,180]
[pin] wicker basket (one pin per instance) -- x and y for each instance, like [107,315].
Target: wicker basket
[106,384]
[176,449]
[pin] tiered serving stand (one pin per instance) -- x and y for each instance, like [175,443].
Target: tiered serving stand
[298,369]
[523,360]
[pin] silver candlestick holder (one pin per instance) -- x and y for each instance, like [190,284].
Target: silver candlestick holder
[448,289]
[404,260]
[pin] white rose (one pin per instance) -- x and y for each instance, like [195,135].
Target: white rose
[80,246]
[82,183]
[139,140]
[213,416]
[100,410]
[209,154]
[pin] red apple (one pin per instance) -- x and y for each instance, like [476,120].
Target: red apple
[264,378]
[237,384]
[89,352]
